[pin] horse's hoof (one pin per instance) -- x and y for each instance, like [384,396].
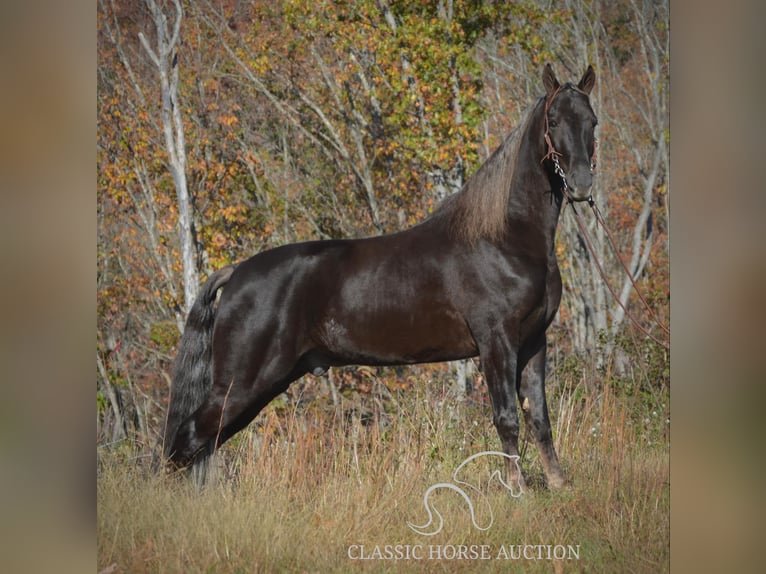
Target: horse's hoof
[558,482]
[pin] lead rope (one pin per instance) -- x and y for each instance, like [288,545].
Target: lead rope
[602,223]
[628,314]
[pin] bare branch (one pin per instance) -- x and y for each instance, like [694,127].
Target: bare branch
[155,59]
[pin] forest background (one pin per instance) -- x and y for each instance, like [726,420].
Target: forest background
[227,128]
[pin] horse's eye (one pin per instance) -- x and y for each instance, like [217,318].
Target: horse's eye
[553,123]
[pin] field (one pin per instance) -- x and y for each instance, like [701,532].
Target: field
[309,487]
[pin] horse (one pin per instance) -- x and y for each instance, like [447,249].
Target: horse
[477,277]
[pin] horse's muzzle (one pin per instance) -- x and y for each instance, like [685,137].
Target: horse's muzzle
[580,183]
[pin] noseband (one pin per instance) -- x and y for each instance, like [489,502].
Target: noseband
[554,155]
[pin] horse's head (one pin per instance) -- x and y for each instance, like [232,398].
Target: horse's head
[570,131]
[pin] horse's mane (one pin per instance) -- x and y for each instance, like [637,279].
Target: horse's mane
[479,210]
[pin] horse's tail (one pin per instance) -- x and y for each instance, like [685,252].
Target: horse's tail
[192,372]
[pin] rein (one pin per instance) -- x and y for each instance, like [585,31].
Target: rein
[554,155]
[628,314]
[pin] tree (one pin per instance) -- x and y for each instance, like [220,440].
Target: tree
[165,58]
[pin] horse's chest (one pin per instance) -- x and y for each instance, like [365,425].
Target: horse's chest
[545,297]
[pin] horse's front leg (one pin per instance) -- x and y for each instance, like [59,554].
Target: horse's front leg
[499,358]
[535,408]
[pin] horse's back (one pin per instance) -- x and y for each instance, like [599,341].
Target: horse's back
[377,300]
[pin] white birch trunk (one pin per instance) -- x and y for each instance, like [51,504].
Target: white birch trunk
[165,58]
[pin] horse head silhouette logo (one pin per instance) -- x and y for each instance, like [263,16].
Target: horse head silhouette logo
[460,487]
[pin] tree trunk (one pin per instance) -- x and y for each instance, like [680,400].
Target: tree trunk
[165,58]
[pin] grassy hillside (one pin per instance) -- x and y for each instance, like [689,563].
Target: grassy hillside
[315,489]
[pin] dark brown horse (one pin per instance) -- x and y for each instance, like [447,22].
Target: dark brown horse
[478,277]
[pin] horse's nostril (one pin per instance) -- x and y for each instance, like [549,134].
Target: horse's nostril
[580,183]
[583,178]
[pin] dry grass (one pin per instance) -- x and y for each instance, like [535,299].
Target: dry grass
[299,488]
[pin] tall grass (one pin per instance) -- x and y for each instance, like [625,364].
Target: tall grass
[306,486]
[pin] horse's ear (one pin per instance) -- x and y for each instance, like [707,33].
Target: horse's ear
[588,80]
[549,81]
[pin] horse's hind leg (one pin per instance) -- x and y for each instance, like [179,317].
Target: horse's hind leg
[498,361]
[535,408]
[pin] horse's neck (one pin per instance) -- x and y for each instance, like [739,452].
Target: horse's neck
[534,202]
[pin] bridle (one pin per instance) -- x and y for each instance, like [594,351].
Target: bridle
[554,155]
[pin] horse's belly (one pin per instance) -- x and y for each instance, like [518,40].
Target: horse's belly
[399,338]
